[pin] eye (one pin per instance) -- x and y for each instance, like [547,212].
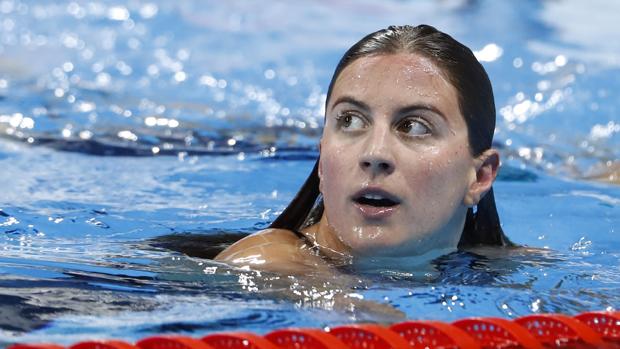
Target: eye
[414,127]
[350,121]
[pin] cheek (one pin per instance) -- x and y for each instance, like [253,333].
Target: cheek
[336,155]
[331,164]
[441,178]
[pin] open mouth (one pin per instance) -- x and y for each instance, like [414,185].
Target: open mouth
[376,200]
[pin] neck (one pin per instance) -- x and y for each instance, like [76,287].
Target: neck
[323,236]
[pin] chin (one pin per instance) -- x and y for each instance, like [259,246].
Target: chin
[386,244]
[375,247]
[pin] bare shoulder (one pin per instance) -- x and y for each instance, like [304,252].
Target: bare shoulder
[277,250]
[268,238]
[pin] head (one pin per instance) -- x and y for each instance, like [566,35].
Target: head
[406,149]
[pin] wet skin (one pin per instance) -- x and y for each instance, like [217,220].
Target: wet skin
[396,171]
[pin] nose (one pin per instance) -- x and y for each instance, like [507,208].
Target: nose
[377,159]
[377,165]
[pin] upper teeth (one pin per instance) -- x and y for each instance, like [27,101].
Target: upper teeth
[373,196]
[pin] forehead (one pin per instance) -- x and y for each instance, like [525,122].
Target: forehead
[407,63]
[410,77]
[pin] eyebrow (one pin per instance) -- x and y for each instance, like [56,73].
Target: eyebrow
[351,100]
[404,110]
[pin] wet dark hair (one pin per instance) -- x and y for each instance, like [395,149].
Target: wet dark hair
[475,96]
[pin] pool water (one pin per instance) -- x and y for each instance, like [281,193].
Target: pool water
[127,125]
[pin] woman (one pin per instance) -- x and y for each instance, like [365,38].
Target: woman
[405,157]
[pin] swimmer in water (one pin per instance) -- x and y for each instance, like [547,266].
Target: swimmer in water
[406,162]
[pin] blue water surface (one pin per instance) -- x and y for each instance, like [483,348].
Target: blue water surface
[125,122]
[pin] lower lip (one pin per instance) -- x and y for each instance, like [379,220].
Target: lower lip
[376,213]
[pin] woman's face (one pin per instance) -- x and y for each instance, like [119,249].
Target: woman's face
[395,163]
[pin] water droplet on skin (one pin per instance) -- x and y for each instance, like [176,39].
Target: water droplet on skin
[358,231]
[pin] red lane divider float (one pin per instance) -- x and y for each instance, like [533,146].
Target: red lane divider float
[103,345]
[607,324]
[304,339]
[586,330]
[561,331]
[368,336]
[234,340]
[434,334]
[172,342]
[498,333]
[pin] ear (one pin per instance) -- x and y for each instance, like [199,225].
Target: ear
[486,166]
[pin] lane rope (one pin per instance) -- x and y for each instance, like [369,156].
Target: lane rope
[539,331]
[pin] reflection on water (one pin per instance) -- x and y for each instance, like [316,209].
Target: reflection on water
[150,78]
[131,291]
[208,115]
